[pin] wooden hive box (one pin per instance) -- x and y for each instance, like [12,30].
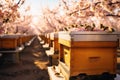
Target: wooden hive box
[19,42]
[9,42]
[48,38]
[54,39]
[25,39]
[0,42]
[42,36]
[90,53]
[54,49]
[45,38]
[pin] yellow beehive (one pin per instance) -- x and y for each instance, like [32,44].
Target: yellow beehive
[53,52]
[90,53]
[54,40]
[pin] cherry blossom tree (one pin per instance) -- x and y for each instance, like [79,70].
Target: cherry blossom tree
[83,13]
[69,13]
[9,14]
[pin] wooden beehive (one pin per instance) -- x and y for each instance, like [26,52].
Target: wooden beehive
[19,41]
[9,42]
[90,53]
[54,39]
[25,39]
[48,38]
[43,37]
[54,49]
[0,42]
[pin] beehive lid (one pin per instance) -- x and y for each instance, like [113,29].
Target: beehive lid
[53,35]
[11,36]
[89,36]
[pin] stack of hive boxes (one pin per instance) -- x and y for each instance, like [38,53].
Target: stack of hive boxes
[87,53]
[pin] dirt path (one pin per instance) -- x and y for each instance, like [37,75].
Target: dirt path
[33,65]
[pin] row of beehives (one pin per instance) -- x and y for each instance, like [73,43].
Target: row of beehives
[13,44]
[82,54]
[8,42]
[50,41]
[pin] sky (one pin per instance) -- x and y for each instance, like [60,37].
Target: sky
[37,5]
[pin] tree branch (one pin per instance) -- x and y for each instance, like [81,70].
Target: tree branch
[97,3]
[19,2]
[85,8]
[113,15]
[73,12]
[114,3]
[65,3]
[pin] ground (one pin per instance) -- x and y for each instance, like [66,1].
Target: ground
[32,66]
